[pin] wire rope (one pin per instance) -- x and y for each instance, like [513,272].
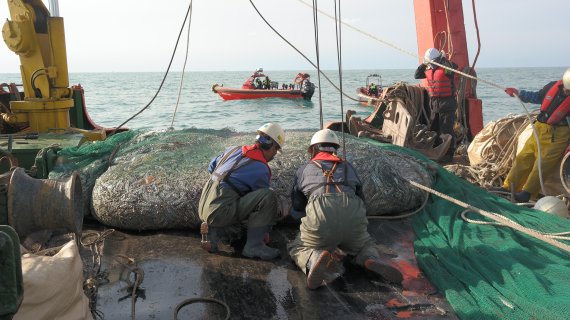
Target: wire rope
[183,68]
[316,29]
[165,74]
[298,51]
[339,57]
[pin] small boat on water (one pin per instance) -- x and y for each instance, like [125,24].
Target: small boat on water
[370,95]
[259,86]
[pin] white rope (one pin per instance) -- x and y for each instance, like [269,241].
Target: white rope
[498,218]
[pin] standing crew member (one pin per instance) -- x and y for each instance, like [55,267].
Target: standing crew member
[238,192]
[553,133]
[441,90]
[328,193]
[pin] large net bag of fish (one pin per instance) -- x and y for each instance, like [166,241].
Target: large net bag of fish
[157,185]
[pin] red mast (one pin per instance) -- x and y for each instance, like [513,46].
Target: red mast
[440,24]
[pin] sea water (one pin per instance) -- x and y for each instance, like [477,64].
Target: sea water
[112,98]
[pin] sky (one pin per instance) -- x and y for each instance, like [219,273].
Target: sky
[228,35]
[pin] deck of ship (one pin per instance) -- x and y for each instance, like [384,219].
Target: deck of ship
[176,268]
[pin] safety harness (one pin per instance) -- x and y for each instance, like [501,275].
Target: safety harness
[329,174]
[225,176]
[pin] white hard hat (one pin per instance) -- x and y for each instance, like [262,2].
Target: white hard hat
[566,79]
[275,132]
[325,136]
[431,54]
[552,205]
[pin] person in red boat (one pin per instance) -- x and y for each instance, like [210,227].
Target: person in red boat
[238,190]
[553,133]
[327,197]
[441,91]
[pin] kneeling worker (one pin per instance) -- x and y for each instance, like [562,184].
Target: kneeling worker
[328,192]
[238,191]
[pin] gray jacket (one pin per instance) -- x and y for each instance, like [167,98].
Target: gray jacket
[311,180]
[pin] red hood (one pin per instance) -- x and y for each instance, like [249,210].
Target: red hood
[326,157]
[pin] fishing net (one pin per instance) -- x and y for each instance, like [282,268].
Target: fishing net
[487,271]
[149,180]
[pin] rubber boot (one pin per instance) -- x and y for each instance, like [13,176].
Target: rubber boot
[256,248]
[210,237]
[523,196]
[383,269]
[323,269]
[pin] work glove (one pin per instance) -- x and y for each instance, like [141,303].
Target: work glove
[512,92]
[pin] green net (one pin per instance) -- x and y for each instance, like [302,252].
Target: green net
[148,180]
[486,271]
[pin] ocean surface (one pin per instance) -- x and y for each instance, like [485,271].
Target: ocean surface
[112,98]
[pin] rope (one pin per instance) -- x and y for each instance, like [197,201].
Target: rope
[131,265]
[559,235]
[404,215]
[498,218]
[497,157]
[299,52]
[183,68]
[163,78]
[201,299]
[339,57]
[94,242]
[316,30]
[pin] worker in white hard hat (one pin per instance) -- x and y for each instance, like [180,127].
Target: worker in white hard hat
[552,128]
[238,190]
[327,196]
[440,87]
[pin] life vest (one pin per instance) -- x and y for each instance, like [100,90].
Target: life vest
[252,153]
[555,113]
[437,83]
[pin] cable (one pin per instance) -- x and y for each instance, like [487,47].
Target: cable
[477,31]
[183,68]
[316,29]
[298,51]
[163,79]
[201,299]
[339,57]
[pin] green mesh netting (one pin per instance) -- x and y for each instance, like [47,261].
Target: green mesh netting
[152,180]
[491,272]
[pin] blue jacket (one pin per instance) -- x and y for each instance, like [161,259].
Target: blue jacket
[248,175]
[535,97]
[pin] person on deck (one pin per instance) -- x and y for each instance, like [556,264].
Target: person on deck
[238,192]
[327,197]
[258,84]
[266,83]
[373,90]
[441,91]
[553,133]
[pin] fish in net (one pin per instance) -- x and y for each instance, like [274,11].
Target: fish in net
[152,180]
